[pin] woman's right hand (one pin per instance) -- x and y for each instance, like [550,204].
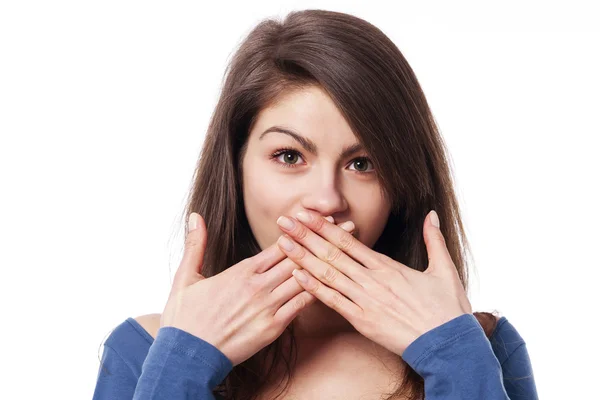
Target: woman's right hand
[240,310]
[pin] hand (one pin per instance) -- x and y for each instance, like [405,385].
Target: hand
[386,301]
[240,310]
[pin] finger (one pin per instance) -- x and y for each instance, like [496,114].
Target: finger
[283,270]
[189,271]
[279,273]
[343,225]
[266,259]
[339,238]
[285,291]
[437,251]
[286,313]
[325,250]
[325,272]
[330,297]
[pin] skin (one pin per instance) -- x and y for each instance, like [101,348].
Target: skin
[323,183]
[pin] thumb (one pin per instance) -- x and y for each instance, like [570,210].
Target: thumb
[189,271]
[437,252]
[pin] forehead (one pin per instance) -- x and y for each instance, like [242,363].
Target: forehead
[310,111]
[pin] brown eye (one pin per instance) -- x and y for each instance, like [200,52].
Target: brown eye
[361,164]
[290,156]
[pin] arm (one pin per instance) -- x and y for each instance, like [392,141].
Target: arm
[518,375]
[116,379]
[178,366]
[456,361]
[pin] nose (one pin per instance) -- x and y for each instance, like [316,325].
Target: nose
[325,197]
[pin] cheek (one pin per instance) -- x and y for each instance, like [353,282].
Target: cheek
[262,193]
[371,216]
[264,202]
[259,199]
[266,191]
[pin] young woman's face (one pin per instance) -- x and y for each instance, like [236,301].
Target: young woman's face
[312,174]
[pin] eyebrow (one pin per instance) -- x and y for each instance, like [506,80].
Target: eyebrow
[308,144]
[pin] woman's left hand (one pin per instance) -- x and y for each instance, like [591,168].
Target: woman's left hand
[386,301]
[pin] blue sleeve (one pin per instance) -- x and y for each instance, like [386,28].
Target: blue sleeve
[115,378]
[518,375]
[178,365]
[511,351]
[456,361]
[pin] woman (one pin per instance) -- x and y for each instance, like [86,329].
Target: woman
[320,117]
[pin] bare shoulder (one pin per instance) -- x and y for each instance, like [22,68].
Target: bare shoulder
[150,322]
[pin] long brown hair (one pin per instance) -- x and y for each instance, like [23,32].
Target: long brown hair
[377,92]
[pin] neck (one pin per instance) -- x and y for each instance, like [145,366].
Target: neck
[319,320]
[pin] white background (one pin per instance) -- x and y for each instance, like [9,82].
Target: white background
[103,108]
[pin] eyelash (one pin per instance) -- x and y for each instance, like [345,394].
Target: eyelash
[285,150]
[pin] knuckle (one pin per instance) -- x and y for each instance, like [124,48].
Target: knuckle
[384,259]
[272,329]
[367,327]
[314,287]
[253,285]
[191,240]
[330,274]
[243,266]
[302,232]
[440,238]
[333,254]
[318,223]
[255,260]
[299,303]
[336,301]
[346,241]
[298,254]
[436,237]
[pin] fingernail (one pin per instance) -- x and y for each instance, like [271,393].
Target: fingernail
[301,276]
[434,219]
[347,226]
[286,243]
[285,223]
[329,218]
[192,221]
[303,217]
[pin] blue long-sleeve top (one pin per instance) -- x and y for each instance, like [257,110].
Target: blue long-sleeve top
[456,361]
